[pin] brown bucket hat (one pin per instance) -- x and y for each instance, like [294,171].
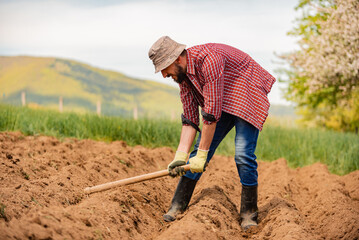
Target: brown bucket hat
[164,52]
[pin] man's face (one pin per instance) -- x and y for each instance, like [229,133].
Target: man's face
[176,71]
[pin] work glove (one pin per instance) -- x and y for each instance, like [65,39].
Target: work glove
[198,162]
[179,160]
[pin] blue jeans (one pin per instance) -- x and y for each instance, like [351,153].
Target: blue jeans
[245,146]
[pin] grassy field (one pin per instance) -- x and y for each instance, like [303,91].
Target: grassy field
[45,79]
[339,151]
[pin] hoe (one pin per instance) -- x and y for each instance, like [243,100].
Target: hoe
[131,180]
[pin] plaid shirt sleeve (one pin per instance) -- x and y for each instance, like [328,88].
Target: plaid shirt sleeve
[190,106]
[225,79]
[212,69]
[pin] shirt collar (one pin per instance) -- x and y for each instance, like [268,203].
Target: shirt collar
[190,63]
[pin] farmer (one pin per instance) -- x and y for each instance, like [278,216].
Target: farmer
[231,89]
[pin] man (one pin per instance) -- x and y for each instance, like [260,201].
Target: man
[231,89]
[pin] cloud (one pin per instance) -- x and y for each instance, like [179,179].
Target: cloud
[117,34]
[57,23]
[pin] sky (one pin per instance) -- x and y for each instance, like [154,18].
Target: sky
[116,35]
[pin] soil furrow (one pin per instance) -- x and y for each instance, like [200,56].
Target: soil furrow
[42,181]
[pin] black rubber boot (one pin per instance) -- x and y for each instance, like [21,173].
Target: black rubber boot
[181,198]
[249,208]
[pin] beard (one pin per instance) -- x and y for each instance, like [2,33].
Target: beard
[180,74]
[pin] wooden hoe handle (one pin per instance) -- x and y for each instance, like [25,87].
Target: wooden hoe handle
[131,180]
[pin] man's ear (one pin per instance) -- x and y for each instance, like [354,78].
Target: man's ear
[178,60]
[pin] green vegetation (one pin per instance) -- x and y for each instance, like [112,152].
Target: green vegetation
[301,147]
[24,174]
[44,80]
[339,151]
[150,133]
[323,74]
[2,212]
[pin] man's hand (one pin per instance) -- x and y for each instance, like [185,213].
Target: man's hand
[198,162]
[179,160]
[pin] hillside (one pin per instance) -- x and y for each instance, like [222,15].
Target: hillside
[46,79]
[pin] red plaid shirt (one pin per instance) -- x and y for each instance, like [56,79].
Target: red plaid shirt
[223,78]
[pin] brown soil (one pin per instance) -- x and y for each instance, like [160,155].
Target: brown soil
[42,181]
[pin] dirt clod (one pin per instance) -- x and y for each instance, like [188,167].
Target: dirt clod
[41,196]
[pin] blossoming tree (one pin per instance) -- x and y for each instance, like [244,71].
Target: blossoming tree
[323,78]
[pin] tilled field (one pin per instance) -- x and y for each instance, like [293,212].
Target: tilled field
[42,181]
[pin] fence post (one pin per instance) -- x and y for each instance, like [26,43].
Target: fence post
[61,104]
[135,113]
[98,108]
[23,98]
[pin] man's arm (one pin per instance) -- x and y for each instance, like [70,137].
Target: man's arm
[187,137]
[207,135]
[198,162]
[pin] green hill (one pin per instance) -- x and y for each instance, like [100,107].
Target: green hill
[46,79]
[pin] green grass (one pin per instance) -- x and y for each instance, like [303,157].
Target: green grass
[2,212]
[45,79]
[301,147]
[150,133]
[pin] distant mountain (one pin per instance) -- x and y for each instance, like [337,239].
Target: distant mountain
[44,80]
